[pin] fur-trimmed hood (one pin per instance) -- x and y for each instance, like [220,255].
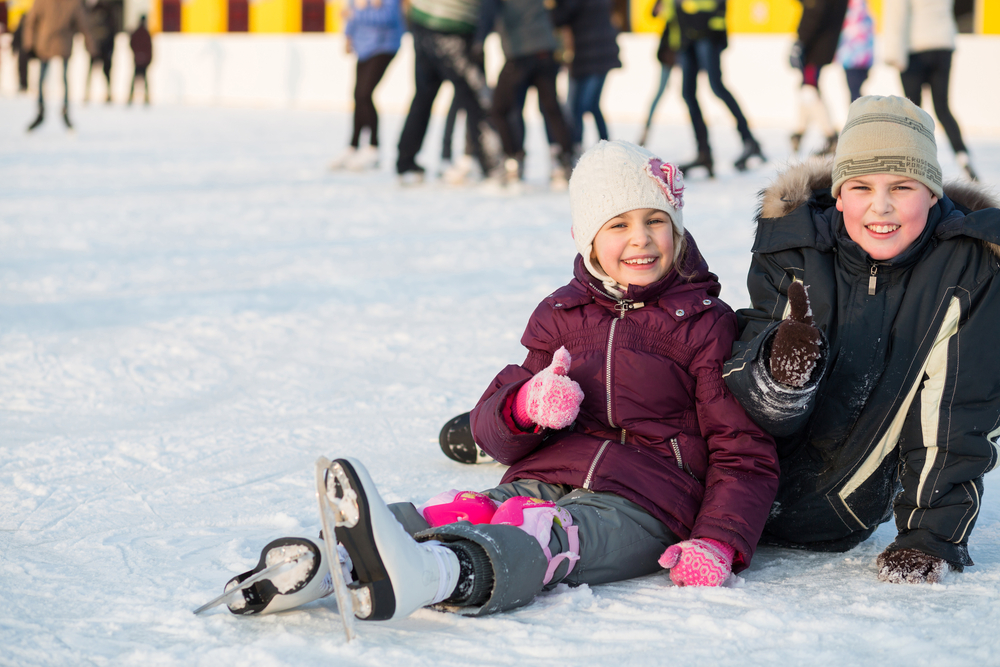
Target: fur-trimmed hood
[796,185]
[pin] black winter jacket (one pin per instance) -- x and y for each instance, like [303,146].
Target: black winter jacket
[701,20]
[903,415]
[525,26]
[595,39]
[819,30]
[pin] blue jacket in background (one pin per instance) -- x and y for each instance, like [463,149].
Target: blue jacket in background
[374,28]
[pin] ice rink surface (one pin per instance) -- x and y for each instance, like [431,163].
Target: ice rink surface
[193,309]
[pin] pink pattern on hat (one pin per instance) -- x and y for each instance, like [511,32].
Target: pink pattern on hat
[670,179]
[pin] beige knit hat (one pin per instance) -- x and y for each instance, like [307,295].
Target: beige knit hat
[615,177]
[887,135]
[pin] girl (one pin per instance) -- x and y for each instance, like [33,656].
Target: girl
[374,30]
[626,451]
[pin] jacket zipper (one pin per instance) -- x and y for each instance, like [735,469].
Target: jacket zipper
[871,280]
[593,464]
[607,366]
[622,307]
[677,452]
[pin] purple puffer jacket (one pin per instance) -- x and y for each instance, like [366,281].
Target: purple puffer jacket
[657,425]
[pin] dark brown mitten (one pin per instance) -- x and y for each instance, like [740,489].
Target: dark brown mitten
[910,566]
[795,350]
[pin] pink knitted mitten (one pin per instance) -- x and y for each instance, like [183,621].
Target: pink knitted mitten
[699,562]
[549,399]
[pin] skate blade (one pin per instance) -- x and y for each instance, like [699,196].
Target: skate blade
[248,582]
[338,506]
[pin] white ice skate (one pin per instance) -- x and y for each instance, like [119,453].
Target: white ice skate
[458,173]
[292,571]
[395,574]
[364,159]
[344,159]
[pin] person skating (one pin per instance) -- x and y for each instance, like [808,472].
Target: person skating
[703,37]
[49,27]
[818,36]
[102,29]
[141,44]
[919,41]
[529,44]
[443,32]
[595,54]
[374,31]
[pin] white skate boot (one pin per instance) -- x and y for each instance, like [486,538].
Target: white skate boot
[304,578]
[395,574]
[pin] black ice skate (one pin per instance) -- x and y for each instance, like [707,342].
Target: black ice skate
[457,443]
[751,149]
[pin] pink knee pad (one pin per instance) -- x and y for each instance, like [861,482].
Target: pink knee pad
[535,517]
[452,506]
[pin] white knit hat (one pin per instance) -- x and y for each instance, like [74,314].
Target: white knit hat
[887,135]
[615,177]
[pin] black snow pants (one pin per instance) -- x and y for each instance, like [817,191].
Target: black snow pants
[440,57]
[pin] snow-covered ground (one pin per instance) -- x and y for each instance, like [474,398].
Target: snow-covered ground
[193,309]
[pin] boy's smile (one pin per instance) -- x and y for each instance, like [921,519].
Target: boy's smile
[884,213]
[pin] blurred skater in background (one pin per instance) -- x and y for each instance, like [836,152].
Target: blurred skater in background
[102,30]
[23,56]
[49,27]
[595,53]
[919,40]
[667,55]
[529,45]
[373,31]
[818,37]
[443,33]
[856,50]
[704,36]
[142,55]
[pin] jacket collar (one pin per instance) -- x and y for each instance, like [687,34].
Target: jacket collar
[682,296]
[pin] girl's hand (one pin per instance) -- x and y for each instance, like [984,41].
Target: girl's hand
[699,562]
[550,398]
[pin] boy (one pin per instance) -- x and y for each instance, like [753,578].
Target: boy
[875,378]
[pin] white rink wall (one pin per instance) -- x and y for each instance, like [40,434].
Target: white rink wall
[315,71]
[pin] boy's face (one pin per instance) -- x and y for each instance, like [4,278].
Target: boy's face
[884,213]
[637,247]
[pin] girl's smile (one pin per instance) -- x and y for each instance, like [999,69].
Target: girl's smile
[636,247]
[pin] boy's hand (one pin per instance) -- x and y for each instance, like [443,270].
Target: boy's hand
[796,343]
[911,566]
[549,399]
[699,562]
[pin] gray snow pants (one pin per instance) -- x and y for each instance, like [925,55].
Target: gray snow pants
[618,540]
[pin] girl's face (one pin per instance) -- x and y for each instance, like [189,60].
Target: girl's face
[884,213]
[637,247]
